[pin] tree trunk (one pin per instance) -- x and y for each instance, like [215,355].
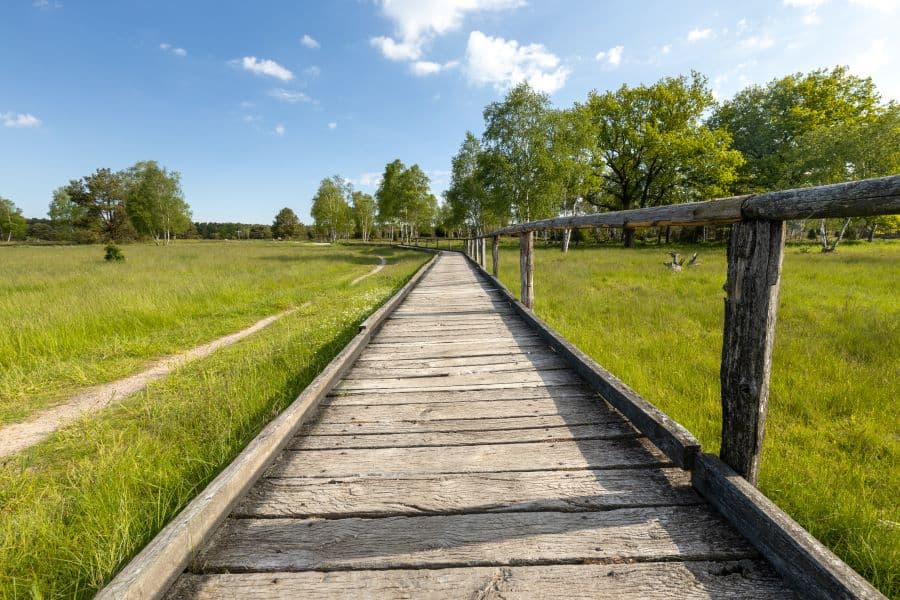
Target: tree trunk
[566,237]
[628,236]
[872,232]
[823,235]
[668,233]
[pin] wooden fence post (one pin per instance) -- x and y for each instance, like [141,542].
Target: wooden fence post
[526,268]
[755,252]
[481,252]
[495,255]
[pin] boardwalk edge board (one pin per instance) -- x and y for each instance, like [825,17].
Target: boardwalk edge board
[802,560]
[156,567]
[675,441]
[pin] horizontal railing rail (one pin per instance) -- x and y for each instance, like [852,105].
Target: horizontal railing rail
[755,252]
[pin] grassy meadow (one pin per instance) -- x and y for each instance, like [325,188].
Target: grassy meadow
[832,447]
[76,507]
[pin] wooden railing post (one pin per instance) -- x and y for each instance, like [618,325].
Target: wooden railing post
[481,252]
[526,268]
[495,255]
[755,252]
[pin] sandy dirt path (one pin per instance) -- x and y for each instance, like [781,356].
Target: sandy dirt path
[382,261]
[18,436]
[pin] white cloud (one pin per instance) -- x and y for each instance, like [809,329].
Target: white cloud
[424,68]
[885,6]
[279,130]
[308,41]
[369,180]
[808,4]
[312,71]
[46,4]
[397,50]
[19,120]
[289,96]
[504,63]
[871,60]
[417,22]
[612,57]
[172,50]
[332,125]
[757,42]
[666,49]
[264,67]
[695,35]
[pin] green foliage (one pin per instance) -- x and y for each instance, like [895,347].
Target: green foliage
[331,208]
[404,199]
[653,148]
[102,200]
[65,214]
[466,198]
[154,201]
[12,223]
[516,164]
[774,126]
[363,214]
[831,451]
[286,225]
[113,253]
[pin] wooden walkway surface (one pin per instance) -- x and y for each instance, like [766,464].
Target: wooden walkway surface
[461,458]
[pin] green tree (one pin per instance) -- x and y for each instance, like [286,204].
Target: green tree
[102,198]
[155,203]
[516,165]
[466,199]
[572,158]
[12,223]
[330,207]
[770,124]
[404,200]
[653,148]
[64,214]
[286,224]
[363,214]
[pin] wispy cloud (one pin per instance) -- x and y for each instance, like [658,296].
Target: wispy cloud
[757,42]
[504,63]
[289,96]
[332,125]
[19,120]
[166,47]
[279,130]
[423,68]
[266,67]
[695,35]
[885,6]
[612,57]
[368,180]
[46,4]
[308,41]
[312,71]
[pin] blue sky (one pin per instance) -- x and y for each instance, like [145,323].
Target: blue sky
[255,102]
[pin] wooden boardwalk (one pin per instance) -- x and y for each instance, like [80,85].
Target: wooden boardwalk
[460,457]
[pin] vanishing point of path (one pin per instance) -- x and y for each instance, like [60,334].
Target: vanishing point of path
[461,458]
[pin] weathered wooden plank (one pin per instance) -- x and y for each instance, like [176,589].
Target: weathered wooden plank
[487,458]
[631,534]
[574,491]
[498,360]
[865,198]
[556,392]
[524,366]
[510,333]
[608,431]
[468,381]
[401,343]
[802,560]
[486,424]
[755,252]
[452,350]
[701,580]
[495,255]
[526,267]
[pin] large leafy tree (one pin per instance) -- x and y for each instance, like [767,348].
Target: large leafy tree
[466,198]
[363,214]
[404,199]
[653,147]
[64,214]
[516,164]
[155,203]
[286,224]
[771,125]
[12,223]
[102,198]
[330,207]
[572,156]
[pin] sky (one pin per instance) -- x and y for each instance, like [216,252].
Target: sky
[255,102]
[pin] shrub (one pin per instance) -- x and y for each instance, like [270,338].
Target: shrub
[114,253]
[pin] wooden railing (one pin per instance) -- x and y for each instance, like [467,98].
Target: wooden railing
[755,251]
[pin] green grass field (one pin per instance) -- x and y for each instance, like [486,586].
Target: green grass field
[76,507]
[832,449]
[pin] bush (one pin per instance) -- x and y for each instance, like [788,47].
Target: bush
[114,253]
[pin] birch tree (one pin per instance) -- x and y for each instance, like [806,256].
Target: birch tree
[330,207]
[155,203]
[363,214]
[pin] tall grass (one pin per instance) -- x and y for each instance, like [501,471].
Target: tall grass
[76,507]
[832,448]
[71,319]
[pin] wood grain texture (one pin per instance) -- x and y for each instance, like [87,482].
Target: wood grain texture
[485,458]
[484,424]
[487,539]
[755,252]
[702,580]
[550,392]
[575,491]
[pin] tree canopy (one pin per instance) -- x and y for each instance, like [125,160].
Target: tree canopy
[12,223]
[154,201]
[331,209]
[286,225]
